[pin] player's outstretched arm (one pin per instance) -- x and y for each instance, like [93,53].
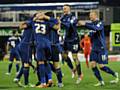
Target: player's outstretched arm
[97,27]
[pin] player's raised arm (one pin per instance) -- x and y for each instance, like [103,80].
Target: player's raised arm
[57,26]
[97,27]
[54,23]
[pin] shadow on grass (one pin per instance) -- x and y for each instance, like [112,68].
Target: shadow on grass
[5,87]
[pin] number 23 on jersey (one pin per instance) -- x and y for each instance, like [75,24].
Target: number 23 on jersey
[40,28]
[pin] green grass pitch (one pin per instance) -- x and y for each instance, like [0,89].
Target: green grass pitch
[6,82]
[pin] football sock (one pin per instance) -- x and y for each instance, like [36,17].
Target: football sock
[59,75]
[48,71]
[17,67]
[33,67]
[52,67]
[38,75]
[78,68]
[108,70]
[97,73]
[41,68]
[10,67]
[26,75]
[69,63]
[20,73]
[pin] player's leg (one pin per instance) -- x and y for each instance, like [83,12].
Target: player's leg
[17,56]
[31,65]
[104,60]
[69,63]
[20,73]
[58,73]
[86,57]
[17,66]
[66,58]
[93,61]
[9,68]
[26,73]
[48,74]
[40,52]
[52,67]
[48,54]
[11,59]
[25,59]
[78,68]
[30,58]
[41,71]
[24,54]
[38,76]
[56,49]
[110,71]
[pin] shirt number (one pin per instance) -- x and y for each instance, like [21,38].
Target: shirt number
[75,47]
[40,28]
[104,57]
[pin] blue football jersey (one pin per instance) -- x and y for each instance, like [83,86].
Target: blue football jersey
[97,35]
[13,41]
[54,36]
[28,34]
[69,23]
[42,29]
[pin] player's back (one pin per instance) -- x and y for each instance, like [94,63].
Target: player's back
[41,29]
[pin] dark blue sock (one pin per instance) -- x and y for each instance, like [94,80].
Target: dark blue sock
[97,73]
[108,70]
[17,67]
[26,75]
[78,68]
[20,73]
[41,68]
[38,75]
[69,63]
[10,67]
[52,67]
[59,75]
[48,71]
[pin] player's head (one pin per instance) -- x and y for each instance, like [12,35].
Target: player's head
[66,9]
[93,15]
[50,14]
[38,16]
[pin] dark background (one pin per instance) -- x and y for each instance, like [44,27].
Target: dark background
[102,2]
